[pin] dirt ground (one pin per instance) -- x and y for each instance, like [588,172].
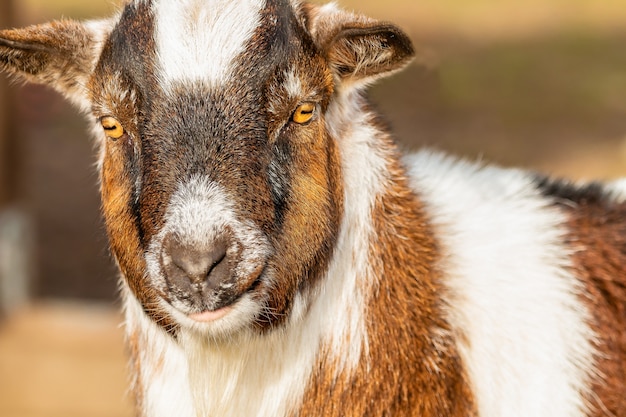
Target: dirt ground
[63,360]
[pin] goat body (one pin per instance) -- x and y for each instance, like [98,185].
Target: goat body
[279,257]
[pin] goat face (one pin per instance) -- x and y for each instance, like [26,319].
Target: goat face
[221,172]
[213,164]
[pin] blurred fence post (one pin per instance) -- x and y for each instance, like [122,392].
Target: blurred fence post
[7,183]
[15,230]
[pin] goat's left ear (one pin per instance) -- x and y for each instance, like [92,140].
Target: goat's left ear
[60,54]
[359,49]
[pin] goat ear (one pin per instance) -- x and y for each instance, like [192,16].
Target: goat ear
[359,49]
[61,54]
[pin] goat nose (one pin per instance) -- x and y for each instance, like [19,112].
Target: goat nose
[187,266]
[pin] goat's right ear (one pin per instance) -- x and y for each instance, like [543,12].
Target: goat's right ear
[61,54]
[359,49]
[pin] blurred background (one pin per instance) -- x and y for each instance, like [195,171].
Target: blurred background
[539,84]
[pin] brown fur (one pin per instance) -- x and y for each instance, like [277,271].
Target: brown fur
[134,348]
[412,367]
[358,47]
[121,159]
[59,54]
[316,194]
[125,242]
[598,234]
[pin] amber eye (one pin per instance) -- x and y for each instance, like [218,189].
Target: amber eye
[304,113]
[112,127]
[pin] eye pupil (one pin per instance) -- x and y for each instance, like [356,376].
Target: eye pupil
[112,127]
[304,113]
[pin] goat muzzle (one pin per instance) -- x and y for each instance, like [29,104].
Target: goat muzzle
[201,274]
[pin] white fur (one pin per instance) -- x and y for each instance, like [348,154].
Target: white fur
[293,85]
[250,375]
[617,189]
[349,277]
[162,380]
[197,40]
[527,345]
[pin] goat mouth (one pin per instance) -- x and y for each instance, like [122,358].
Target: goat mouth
[209,316]
[202,283]
[204,306]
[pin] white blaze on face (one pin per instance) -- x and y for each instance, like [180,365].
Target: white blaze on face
[198,40]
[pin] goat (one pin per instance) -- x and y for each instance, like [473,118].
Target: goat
[280,257]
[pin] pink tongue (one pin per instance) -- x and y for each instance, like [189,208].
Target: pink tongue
[209,316]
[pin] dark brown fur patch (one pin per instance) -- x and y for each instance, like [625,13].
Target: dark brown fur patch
[597,225]
[311,220]
[413,367]
[122,161]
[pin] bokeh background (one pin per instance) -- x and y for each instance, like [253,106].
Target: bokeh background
[539,84]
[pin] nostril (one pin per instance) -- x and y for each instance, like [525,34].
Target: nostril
[186,265]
